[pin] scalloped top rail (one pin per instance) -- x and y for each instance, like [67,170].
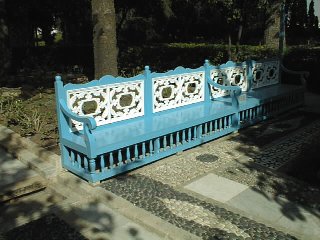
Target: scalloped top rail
[113,99]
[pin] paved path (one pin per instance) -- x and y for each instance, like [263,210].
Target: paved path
[34,208]
[231,188]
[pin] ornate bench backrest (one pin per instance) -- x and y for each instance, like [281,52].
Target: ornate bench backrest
[111,99]
[108,100]
[177,88]
[265,73]
[229,74]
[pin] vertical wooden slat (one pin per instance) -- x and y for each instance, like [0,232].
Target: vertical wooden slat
[164,143]
[211,127]
[157,145]
[128,154]
[177,138]
[195,132]
[216,125]
[150,147]
[206,128]
[120,163]
[183,136]
[136,153]
[189,134]
[143,150]
[199,132]
[102,163]
[86,163]
[111,161]
[171,140]
[79,159]
[72,157]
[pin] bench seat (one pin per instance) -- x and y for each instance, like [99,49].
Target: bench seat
[116,135]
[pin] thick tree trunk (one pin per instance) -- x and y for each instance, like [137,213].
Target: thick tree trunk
[4,41]
[272,30]
[104,38]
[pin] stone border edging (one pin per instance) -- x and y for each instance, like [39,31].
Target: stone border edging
[44,162]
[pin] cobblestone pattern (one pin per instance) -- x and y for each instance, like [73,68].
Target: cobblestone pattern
[279,154]
[199,217]
[183,167]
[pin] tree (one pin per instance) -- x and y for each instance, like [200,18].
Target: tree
[4,44]
[297,20]
[104,38]
[312,20]
[272,25]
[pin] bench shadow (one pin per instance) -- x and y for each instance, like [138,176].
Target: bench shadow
[49,214]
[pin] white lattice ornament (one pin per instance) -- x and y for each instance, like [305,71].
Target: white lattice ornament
[109,102]
[234,76]
[265,74]
[177,90]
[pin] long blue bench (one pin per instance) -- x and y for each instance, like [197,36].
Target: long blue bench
[115,124]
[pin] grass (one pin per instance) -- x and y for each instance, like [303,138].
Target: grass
[33,117]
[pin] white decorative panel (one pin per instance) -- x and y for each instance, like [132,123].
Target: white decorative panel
[107,103]
[177,90]
[231,76]
[265,74]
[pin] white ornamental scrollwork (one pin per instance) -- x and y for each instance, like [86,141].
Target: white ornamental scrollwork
[265,74]
[231,76]
[107,103]
[177,90]
[126,101]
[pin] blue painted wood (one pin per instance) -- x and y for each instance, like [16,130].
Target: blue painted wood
[143,150]
[96,153]
[171,140]
[102,163]
[136,153]
[164,143]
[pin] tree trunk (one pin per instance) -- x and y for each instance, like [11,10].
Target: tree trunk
[229,47]
[272,30]
[104,38]
[238,41]
[4,41]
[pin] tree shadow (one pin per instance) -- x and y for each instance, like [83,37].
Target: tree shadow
[271,154]
[60,210]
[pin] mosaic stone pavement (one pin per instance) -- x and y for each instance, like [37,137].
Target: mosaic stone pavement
[279,154]
[201,218]
[157,187]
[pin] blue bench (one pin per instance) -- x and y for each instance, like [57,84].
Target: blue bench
[113,125]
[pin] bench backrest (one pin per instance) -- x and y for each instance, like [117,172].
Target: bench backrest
[111,99]
[248,75]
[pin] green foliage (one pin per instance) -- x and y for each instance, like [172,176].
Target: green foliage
[164,57]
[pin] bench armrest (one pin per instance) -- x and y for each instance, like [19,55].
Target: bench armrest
[303,74]
[235,91]
[89,121]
